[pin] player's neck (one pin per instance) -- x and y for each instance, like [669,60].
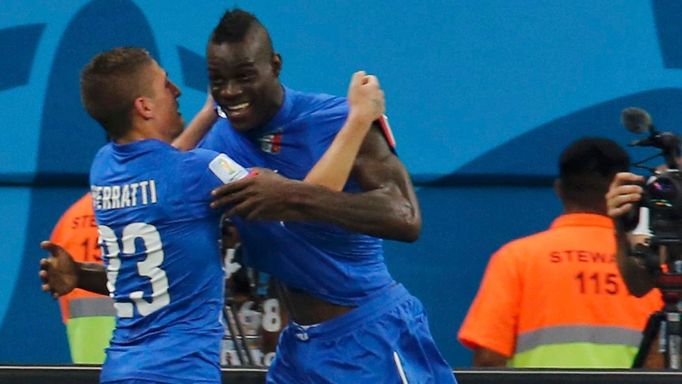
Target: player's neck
[139,133]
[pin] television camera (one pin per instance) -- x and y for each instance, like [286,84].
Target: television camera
[660,208]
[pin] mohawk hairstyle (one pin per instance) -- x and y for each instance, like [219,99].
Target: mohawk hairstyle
[586,168]
[235,25]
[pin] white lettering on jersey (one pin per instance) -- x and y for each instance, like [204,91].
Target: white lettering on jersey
[143,188]
[116,196]
[124,195]
[96,197]
[152,190]
[133,193]
[106,197]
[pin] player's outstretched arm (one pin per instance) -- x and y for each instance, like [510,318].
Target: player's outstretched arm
[366,104]
[198,127]
[60,274]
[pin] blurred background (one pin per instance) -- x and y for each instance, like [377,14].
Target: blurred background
[482,96]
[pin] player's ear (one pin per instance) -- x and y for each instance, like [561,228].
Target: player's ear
[143,107]
[276,64]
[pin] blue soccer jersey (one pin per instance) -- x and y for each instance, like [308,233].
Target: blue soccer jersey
[329,262]
[321,259]
[160,244]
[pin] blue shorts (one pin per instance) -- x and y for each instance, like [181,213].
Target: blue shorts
[174,357]
[384,340]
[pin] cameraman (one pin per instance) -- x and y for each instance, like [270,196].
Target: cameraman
[623,196]
[554,299]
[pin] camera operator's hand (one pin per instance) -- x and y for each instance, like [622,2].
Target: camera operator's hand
[624,192]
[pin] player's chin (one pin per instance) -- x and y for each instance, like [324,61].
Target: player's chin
[244,123]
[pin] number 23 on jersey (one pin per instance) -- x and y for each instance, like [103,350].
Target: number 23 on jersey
[149,269]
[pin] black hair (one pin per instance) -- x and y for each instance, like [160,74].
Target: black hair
[586,168]
[235,25]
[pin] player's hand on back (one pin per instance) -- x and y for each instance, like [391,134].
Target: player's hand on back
[58,272]
[264,195]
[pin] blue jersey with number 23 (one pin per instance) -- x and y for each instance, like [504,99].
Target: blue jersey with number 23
[159,241]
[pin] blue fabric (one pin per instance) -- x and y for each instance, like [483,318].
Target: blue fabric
[362,345]
[330,263]
[323,260]
[168,242]
[134,381]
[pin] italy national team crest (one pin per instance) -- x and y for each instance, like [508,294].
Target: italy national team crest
[271,143]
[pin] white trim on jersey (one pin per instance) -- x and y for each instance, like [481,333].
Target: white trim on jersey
[399,366]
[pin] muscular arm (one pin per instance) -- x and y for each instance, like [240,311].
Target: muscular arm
[386,208]
[60,274]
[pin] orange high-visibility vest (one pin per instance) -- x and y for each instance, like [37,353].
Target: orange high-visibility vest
[89,317]
[556,299]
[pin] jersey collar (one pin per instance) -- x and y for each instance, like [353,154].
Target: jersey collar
[140,145]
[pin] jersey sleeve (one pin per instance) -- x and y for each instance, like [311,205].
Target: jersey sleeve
[327,118]
[493,316]
[204,170]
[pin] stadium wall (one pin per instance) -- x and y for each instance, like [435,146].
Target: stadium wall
[482,96]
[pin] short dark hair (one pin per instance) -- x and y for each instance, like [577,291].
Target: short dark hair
[586,168]
[235,25]
[110,83]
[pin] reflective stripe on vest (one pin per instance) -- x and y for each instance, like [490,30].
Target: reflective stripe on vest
[89,337]
[576,355]
[91,306]
[578,334]
[577,347]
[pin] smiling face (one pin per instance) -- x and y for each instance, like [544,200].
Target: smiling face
[244,79]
